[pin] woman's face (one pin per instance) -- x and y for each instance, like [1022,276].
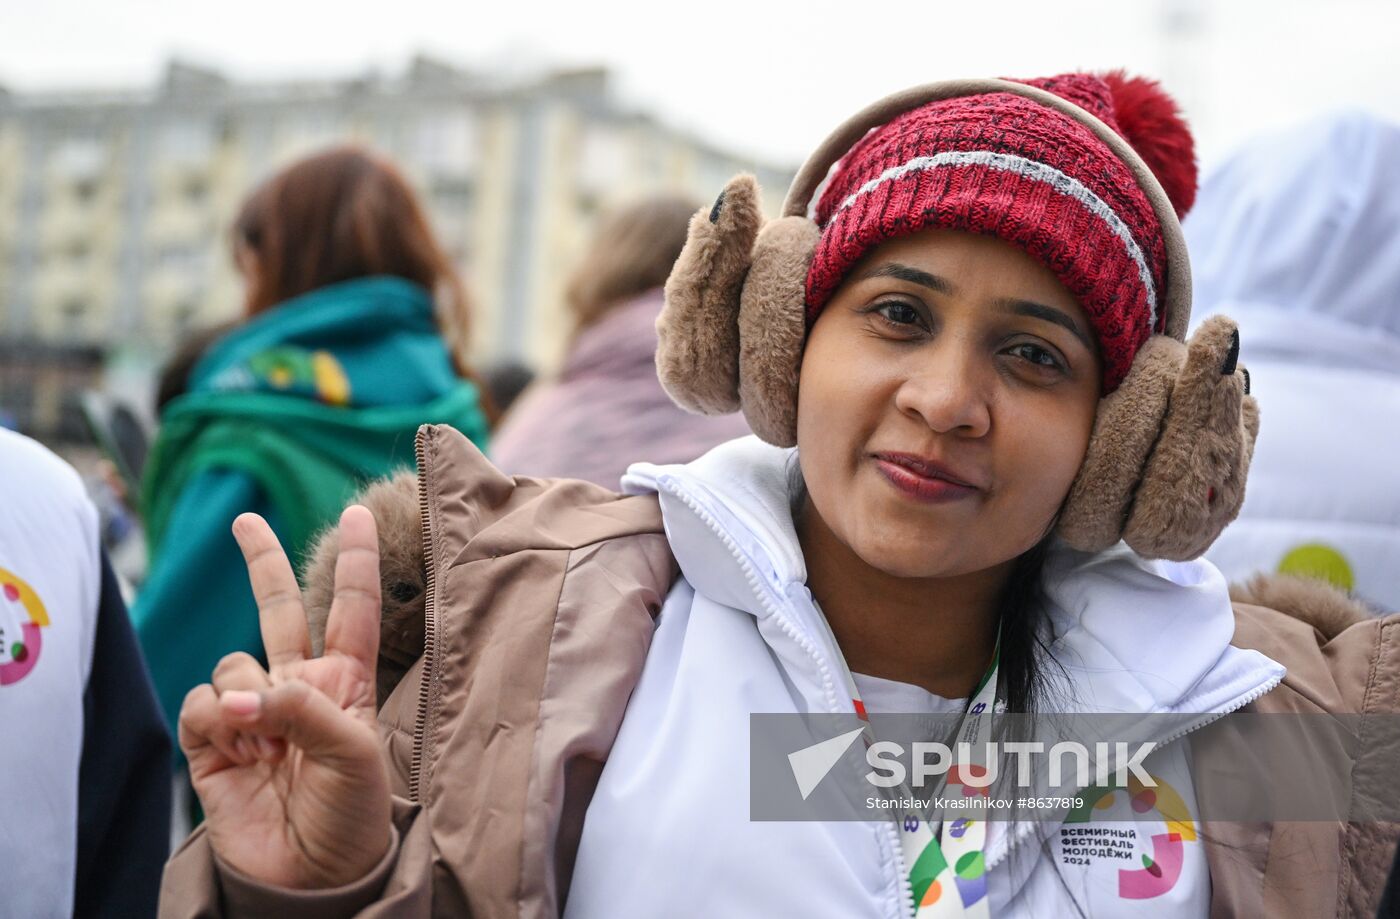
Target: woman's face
[947,395]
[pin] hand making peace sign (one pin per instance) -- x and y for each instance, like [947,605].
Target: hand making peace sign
[286,761]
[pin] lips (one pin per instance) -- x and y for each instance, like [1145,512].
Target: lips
[924,479]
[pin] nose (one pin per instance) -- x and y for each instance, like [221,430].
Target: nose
[948,391]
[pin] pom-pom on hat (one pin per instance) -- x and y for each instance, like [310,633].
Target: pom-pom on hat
[1007,166]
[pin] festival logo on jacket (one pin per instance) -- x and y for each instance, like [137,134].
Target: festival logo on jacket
[22,615]
[1146,847]
[289,369]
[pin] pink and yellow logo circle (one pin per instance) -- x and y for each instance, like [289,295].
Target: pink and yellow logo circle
[22,615]
[1163,860]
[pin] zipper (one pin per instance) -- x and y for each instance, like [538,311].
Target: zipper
[760,589]
[418,766]
[763,593]
[1023,828]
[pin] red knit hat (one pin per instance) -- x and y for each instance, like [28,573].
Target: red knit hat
[1007,166]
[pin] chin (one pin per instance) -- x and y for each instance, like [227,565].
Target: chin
[911,552]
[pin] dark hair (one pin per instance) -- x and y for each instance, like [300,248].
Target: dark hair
[631,252]
[173,379]
[506,381]
[1023,621]
[341,214]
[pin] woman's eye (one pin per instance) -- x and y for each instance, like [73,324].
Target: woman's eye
[898,313]
[1035,354]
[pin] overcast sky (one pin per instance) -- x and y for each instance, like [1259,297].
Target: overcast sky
[762,78]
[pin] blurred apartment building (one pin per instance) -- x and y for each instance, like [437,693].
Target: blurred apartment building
[114,206]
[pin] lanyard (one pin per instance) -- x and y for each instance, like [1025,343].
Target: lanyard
[947,871]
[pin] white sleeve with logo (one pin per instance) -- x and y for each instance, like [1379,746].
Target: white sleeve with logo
[50,580]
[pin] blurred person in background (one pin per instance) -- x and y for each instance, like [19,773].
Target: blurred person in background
[1297,236]
[85,749]
[505,381]
[606,409]
[354,333]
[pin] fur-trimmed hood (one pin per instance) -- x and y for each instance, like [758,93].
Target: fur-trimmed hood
[1309,600]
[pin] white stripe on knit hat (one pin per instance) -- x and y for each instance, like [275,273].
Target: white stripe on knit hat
[1038,172]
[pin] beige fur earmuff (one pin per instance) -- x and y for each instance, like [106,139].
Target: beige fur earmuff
[1166,465]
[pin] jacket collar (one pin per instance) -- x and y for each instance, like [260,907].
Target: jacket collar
[623,340]
[729,521]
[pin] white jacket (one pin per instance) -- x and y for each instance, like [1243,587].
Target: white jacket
[1297,238]
[668,831]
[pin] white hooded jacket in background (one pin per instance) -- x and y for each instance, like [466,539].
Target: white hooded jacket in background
[1297,238]
[668,830]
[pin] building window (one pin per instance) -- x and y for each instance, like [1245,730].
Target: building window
[444,144]
[196,189]
[603,161]
[80,158]
[589,203]
[85,190]
[74,311]
[186,141]
[183,317]
[182,258]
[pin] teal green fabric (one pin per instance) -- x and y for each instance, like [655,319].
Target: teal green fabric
[287,416]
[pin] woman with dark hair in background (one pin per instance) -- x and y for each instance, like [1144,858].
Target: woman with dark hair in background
[354,333]
[607,409]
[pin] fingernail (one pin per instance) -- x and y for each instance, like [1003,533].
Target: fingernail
[265,747]
[240,744]
[241,702]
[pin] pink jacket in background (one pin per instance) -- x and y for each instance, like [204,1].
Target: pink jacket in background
[606,409]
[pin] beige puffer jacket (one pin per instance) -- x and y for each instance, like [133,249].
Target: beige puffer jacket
[540,600]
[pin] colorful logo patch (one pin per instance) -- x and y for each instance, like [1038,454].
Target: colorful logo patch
[1159,855]
[22,615]
[316,374]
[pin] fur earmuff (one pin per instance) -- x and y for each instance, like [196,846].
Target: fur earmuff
[697,352]
[772,328]
[402,575]
[1193,484]
[1127,425]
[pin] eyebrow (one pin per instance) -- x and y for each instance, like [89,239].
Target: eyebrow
[1048,314]
[912,275]
[1011,304]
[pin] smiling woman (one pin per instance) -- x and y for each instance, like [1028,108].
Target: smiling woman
[948,394]
[972,350]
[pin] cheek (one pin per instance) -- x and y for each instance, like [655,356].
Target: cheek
[841,397]
[820,410]
[1048,452]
